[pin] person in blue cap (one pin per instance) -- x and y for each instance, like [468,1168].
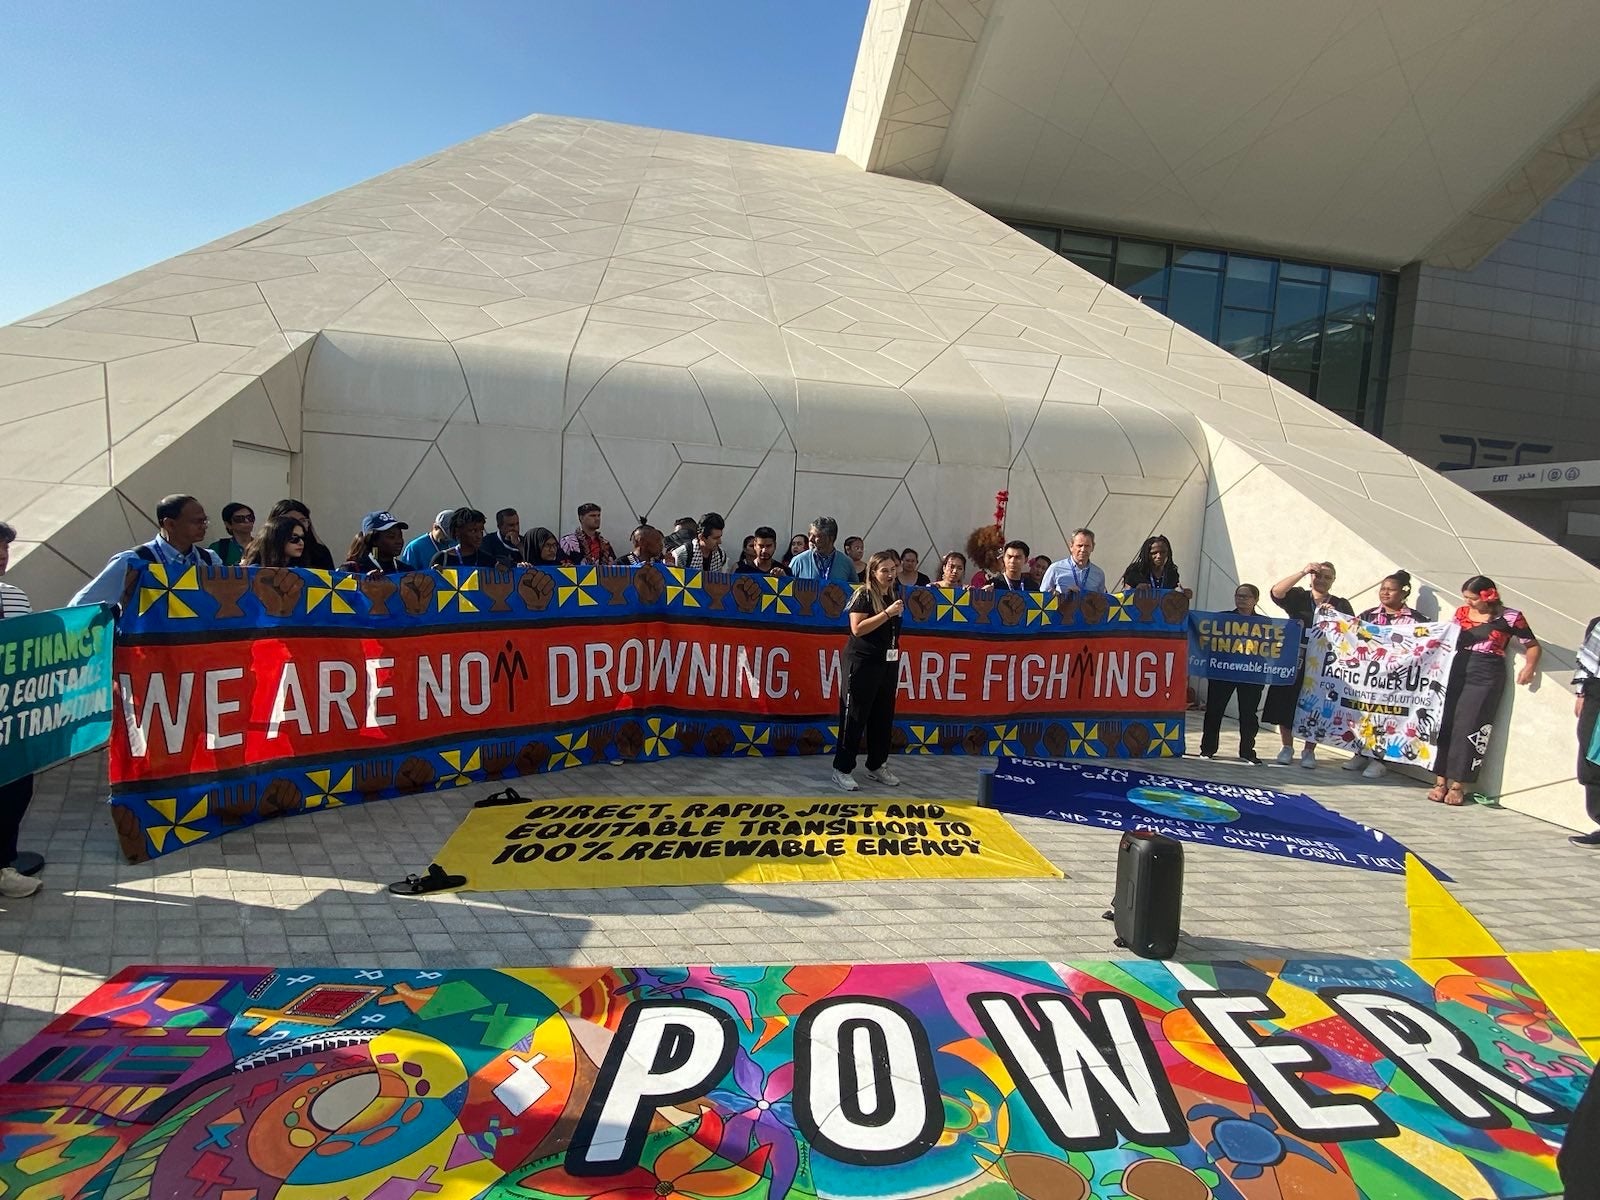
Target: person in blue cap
[379,548]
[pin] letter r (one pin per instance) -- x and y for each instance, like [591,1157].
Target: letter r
[665,1051]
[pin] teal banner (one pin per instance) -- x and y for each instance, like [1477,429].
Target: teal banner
[55,687]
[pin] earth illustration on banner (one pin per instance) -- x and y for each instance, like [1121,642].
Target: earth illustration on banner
[1187,806]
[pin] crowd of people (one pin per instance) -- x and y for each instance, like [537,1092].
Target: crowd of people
[460,538]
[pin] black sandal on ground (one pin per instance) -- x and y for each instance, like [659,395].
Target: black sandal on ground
[436,880]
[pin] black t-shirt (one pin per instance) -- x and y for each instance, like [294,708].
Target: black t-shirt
[876,643]
[455,558]
[746,567]
[1000,583]
[1297,602]
[921,581]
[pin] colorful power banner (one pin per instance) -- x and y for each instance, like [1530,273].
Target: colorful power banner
[1255,649]
[1378,688]
[1335,1078]
[1236,816]
[250,694]
[55,687]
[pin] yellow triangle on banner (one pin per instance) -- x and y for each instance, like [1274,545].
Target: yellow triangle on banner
[1440,926]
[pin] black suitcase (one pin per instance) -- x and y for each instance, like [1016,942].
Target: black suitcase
[1148,905]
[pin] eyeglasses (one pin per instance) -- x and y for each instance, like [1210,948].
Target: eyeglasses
[296,539]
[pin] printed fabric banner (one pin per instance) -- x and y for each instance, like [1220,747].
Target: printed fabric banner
[247,694]
[597,841]
[1227,645]
[1286,824]
[55,687]
[1378,688]
[1340,1079]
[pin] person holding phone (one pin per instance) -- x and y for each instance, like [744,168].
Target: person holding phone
[872,674]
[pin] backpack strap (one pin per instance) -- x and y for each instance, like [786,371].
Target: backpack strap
[147,554]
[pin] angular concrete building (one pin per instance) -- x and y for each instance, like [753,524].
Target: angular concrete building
[562,311]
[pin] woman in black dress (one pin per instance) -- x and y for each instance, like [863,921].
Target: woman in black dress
[1301,604]
[1477,682]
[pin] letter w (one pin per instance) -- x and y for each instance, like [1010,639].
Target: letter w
[1057,1058]
[664,661]
[173,723]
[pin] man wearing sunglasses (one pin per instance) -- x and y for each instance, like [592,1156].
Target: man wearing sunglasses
[182,522]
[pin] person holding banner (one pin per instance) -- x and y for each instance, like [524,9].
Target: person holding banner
[953,570]
[1477,681]
[1586,683]
[18,794]
[1218,692]
[1391,609]
[871,667]
[1303,605]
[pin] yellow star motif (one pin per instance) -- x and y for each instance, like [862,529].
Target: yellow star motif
[780,594]
[179,827]
[1004,740]
[658,733]
[187,581]
[459,582]
[567,747]
[1083,740]
[754,737]
[329,792]
[461,771]
[579,580]
[1041,608]
[1168,738]
[334,591]
[686,588]
[952,605]
[922,739]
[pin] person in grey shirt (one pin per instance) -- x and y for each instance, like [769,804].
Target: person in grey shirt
[182,521]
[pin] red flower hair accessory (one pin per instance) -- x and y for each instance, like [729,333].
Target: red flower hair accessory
[1001,499]
[1492,595]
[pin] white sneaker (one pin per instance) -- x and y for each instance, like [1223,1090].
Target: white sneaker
[1376,770]
[1355,764]
[845,783]
[1308,759]
[1285,756]
[884,776]
[15,886]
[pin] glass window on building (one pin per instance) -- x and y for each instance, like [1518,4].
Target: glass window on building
[1321,329]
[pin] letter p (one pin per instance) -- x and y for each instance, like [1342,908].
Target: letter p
[665,1051]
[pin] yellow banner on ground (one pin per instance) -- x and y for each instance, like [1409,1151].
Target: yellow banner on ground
[601,841]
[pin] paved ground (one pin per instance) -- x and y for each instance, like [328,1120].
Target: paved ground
[313,889]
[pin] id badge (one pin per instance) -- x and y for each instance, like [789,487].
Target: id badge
[892,655]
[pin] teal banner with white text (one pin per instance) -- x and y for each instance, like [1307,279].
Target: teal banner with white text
[55,687]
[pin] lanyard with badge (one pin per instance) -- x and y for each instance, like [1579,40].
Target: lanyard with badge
[892,654]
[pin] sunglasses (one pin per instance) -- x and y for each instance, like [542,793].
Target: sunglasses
[297,539]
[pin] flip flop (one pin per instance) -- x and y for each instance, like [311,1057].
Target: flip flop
[436,880]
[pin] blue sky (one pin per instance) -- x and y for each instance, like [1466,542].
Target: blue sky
[136,131]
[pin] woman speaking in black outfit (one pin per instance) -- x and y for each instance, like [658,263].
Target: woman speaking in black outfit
[872,674]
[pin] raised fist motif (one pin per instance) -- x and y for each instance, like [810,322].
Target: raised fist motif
[537,589]
[280,797]
[416,592]
[746,593]
[225,585]
[976,741]
[812,742]
[649,584]
[1095,607]
[719,741]
[834,599]
[1174,607]
[532,758]
[130,834]
[981,601]
[898,740]
[920,604]
[1136,739]
[716,587]
[689,737]
[1055,740]
[415,774]
[278,589]
[630,740]
[377,590]
[496,585]
[1011,606]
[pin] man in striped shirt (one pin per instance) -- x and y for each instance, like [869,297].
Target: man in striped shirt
[16,795]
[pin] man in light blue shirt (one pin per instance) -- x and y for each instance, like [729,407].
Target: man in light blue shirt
[1075,573]
[183,524]
[824,561]
[419,551]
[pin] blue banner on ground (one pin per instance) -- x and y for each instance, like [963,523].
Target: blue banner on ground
[55,687]
[1226,645]
[1193,810]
